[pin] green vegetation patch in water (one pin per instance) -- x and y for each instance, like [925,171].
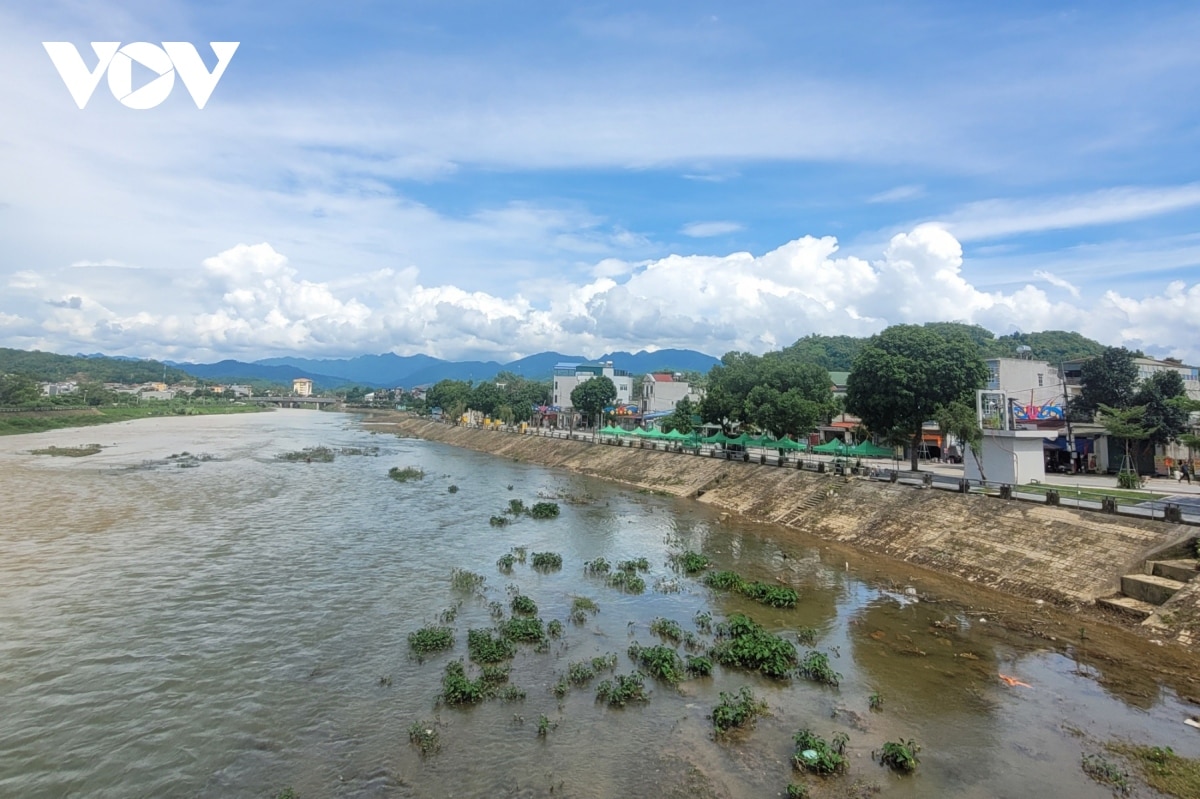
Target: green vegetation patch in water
[1162,769]
[406,474]
[745,644]
[431,639]
[737,710]
[82,451]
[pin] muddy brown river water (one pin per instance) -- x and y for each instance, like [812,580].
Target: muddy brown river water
[222,631]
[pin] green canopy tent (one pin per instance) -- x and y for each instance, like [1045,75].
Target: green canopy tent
[612,430]
[868,450]
[760,441]
[675,435]
[834,447]
[789,444]
[718,438]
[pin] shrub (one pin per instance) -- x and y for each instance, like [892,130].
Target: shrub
[899,755]
[546,561]
[483,647]
[747,645]
[622,689]
[658,661]
[737,710]
[524,605]
[431,639]
[814,754]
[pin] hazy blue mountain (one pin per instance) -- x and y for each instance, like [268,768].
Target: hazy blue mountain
[387,370]
[662,360]
[239,370]
[452,370]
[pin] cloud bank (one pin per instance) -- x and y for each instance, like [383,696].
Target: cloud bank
[250,301]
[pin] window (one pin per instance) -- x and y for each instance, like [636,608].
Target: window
[1039,379]
[993,375]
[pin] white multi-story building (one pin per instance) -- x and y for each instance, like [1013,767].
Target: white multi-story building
[1034,384]
[569,375]
[662,390]
[302,387]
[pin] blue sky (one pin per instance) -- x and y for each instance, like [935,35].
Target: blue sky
[494,179]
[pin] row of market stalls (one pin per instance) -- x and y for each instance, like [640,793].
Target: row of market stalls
[786,444]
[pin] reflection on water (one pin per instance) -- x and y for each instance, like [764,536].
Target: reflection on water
[222,631]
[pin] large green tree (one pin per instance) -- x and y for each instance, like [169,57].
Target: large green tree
[18,390]
[450,396]
[1164,397]
[591,396]
[1110,379]
[680,418]
[905,373]
[778,392]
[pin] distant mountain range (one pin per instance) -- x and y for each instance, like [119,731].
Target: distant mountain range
[391,371]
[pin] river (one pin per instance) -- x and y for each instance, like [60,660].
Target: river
[240,627]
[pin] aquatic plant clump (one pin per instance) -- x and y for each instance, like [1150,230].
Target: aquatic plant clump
[690,562]
[597,566]
[544,510]
[634,565]
[498,521]
[776,596]
[468,581]
[581,608]
[82,451]
[524,630]
[505,562]
[745,644]
[815,667]
[308,455]
[899,755]
[1104,771]
[814,754]
[628,582]
[424,735]
[406,474]
[458,689]
[431,639]
[524,605]
[483,647]
[554,628]
[516,507]
[699,665]
[659,661]
[667,629]
[546,561]
[737,710]
[622,689]
[723,580]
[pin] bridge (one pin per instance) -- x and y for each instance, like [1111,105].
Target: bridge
[297,401]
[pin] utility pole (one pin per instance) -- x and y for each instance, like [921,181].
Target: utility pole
[1062,371]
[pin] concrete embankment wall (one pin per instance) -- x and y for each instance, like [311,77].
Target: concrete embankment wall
[1059,554]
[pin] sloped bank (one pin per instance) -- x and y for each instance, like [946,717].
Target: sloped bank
[1059,554]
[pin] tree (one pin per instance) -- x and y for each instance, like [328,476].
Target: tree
[960,420]
[1110,379]
[1127,424]
[905,373]
[1166,415]
[776,392]
[680,418]
[486,398]
[449,395]
[18,390]
[591,396]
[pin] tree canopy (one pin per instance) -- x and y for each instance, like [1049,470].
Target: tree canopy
[904,374]
[680,418]
[591,396]
[1165,416]
[1110,379]
[777,392]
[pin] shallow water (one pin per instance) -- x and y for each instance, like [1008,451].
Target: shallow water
[222,631]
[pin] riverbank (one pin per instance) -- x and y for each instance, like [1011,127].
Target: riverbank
[1060,555]
[19,422]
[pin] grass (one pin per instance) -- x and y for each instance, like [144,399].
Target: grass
[745,644]
[82,451]
[818,756]
[1162,769]
[406,474]
[428,640]
[40,421]
[899,755]
[737,710]
[1123,496]
[1106,772]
